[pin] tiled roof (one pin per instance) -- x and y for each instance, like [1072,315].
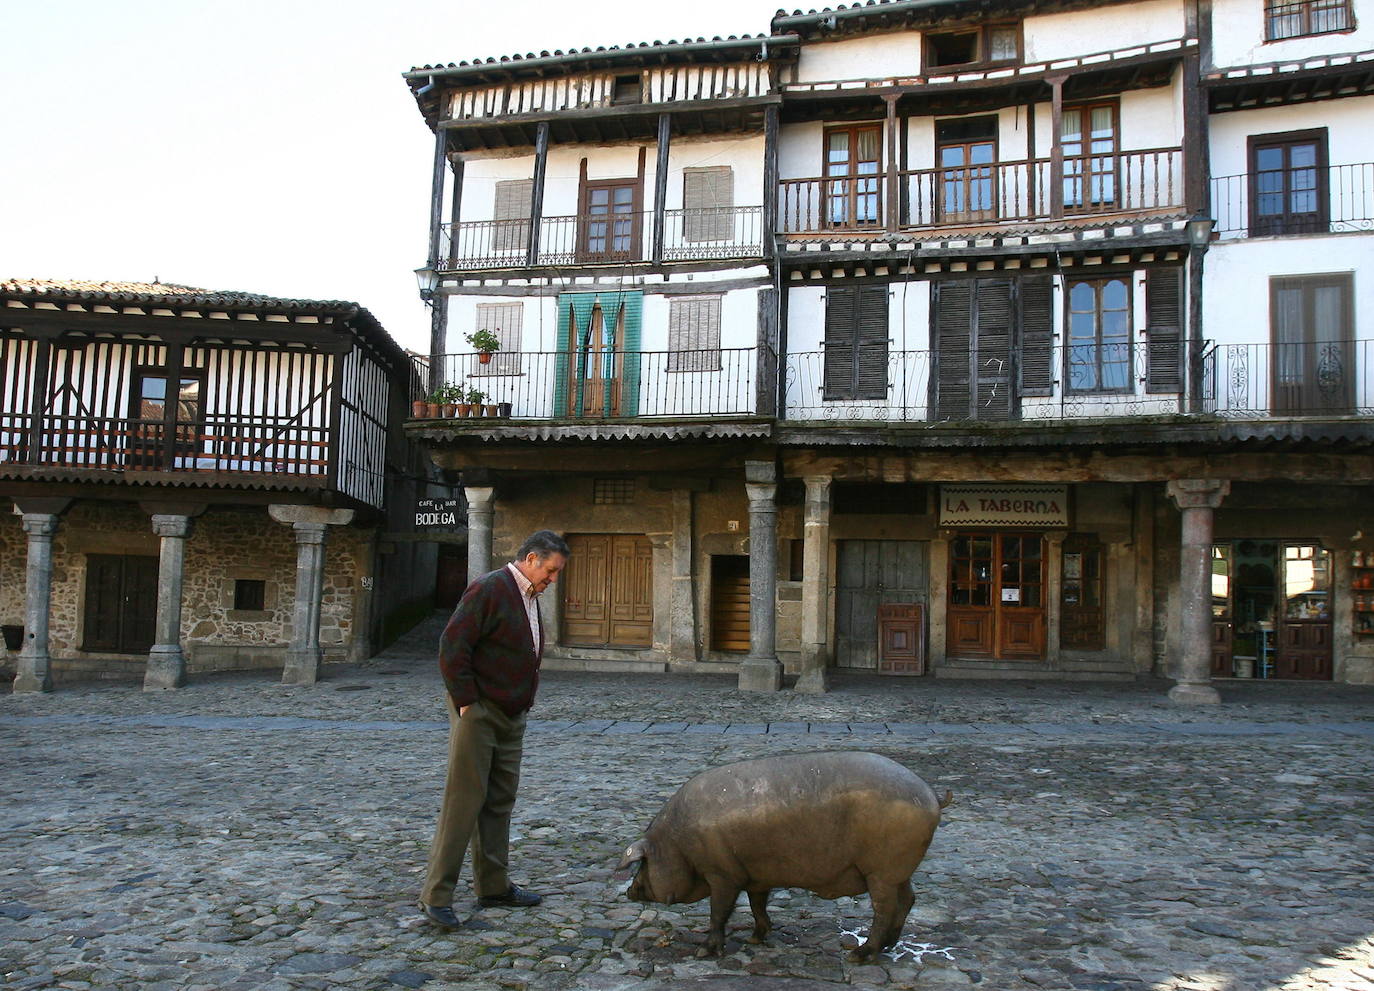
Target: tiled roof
[589,52]
[81,289]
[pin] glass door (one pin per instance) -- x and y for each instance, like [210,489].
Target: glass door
[852,182]
[996,596]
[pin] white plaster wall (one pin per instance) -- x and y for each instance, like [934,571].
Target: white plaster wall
[1347,124]
[1235,287]
[1102,29]
[874,56]
[1238,36]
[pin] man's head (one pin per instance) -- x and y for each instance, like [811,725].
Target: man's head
[541,557]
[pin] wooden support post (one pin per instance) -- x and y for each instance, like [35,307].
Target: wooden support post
[770,181]
[436,194]
[541,160]
[1056,146]
[665,127]
[175,360]
[892,176]
[455,208]
[1196,167]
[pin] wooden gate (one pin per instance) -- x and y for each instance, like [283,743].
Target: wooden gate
[608,591]
[730,602]
[121,604]
[869,574]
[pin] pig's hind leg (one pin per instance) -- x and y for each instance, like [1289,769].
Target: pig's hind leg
[891,903]
[724,894]
[758,904]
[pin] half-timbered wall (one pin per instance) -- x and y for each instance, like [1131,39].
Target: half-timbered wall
[364,395]
[670,84]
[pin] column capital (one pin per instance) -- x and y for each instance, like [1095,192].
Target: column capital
[760,471]
[659,540]
[1198,493]
[761,496]
[479,497]
[165,525]
[290,513]
[40,524]
[309,533]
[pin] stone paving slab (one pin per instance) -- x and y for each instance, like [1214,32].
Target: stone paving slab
[241,836]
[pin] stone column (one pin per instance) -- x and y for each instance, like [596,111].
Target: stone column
[682,628]
[662,544]
[761,671]
[166,661]
[815,631]
[1054,600]
[34,672]
[480,513]
[304,655]
[1196,500]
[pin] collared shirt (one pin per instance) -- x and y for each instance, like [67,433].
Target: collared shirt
[531,600]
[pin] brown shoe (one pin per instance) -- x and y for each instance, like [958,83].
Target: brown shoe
[516,897]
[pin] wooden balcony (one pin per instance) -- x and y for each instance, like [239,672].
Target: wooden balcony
[606,239]
[1017,192]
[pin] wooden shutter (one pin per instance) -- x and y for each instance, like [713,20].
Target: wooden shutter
[840,304]
[994,375]
[953,304]
[707,196]
[694,334]
[506,321]
[1164,329]
[1037,337]
[512,215]
[870,365]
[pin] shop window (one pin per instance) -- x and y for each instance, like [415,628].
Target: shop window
[1099,335]
[987,44]
[1080,596]
[1288,19]
[250,594]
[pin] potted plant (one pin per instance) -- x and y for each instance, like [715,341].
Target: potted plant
[418,408]
[484,342]
[452,396]
[435,403]
[475,397]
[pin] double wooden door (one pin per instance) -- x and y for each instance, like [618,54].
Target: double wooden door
[997,596]
[121,603]
[608,595]
[871,574]
[596,367]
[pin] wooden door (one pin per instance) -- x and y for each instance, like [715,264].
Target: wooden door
[608,591]
[853,176]
[997,596]
[1303,649]
[730,602]
[596,367]
[868,575]
[121,603]
[609,221]
[901,640]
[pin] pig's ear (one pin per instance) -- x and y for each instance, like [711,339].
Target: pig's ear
[636,852]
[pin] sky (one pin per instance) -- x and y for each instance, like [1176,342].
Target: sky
[266,146]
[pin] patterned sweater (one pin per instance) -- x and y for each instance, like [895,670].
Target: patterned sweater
[486,650]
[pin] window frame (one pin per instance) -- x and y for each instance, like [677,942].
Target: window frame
[1287,223]
[1304,9]
[982,44]
[704,359]
[1084,203]
[1099,282]
[585,219]
[851,219]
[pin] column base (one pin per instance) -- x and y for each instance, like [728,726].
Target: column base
[29,678]
[302,666]
[760,674]
[166,668]
[814,681]
[1194,693]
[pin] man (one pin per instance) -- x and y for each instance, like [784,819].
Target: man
[489,656]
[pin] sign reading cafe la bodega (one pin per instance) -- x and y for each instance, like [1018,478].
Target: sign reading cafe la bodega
[433,514]
[1004,505]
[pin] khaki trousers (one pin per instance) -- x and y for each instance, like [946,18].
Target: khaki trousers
[483,773]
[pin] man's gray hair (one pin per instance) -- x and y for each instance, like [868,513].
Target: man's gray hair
[542,543]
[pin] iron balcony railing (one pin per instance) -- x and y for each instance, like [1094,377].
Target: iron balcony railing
[1312,200]
[256,445]
[707,233]
[599,383]
[995,193]
[1300,379]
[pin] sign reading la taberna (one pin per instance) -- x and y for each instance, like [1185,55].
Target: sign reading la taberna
[1004,505]
[437,513]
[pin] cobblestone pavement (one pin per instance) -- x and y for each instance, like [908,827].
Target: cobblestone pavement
[238,834]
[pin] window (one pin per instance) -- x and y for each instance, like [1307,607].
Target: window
[853,163]
[504,320]
[1080,594]
[1088,137]
[966,150]
[694,334]
[150,409]
[1099,336]
[613,491]
[855,342]
[1288,183]
[609,223]
[973,46]
[708,200]
[1312,328]
[1295,18]
[250,594]
[511,230]
[627,90]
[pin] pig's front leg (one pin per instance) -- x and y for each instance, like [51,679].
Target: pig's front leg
[758,904]
[724,894]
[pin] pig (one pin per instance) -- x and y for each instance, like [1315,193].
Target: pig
[832,823]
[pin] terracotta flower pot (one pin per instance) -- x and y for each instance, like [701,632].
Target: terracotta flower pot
[490,409]
[463,409]
[448,409]
[418,408]
[484,357]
